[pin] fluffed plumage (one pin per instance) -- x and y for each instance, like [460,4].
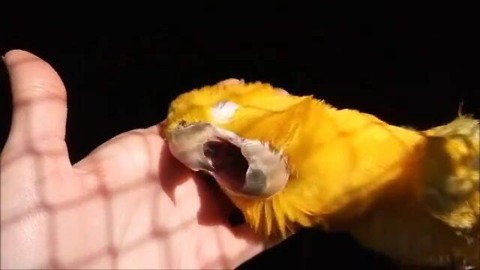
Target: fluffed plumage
[413,195]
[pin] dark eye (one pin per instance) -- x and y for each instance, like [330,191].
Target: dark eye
[182,123]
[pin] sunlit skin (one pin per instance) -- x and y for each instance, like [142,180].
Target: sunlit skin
[126,205]
[407,193]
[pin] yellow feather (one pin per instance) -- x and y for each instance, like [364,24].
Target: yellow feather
[350,170]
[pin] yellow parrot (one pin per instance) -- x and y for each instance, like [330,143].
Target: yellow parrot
[290,162]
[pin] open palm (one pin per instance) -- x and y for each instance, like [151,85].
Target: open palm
[128,204]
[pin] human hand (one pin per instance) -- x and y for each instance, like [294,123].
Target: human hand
[128,204]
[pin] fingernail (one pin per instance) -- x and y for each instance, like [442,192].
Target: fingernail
[231,81]
[283,91]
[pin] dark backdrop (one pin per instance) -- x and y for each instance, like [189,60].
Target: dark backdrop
[408,63]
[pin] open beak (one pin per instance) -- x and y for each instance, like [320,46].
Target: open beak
[244,167]
[187,145]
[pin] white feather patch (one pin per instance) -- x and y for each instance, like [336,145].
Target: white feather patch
[223,111]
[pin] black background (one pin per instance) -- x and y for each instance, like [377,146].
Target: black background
[408,63]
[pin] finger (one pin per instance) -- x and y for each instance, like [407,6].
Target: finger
[125,159]
[233,81]
[39,101]
[245,245]
[230,81]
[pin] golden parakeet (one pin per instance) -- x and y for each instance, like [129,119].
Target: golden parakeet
[294,161]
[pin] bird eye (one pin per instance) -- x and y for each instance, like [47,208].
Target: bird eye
[182,123]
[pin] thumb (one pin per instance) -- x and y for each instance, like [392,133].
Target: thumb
[39,103]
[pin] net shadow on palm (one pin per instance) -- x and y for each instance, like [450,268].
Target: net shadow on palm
[127,205]
[165,219]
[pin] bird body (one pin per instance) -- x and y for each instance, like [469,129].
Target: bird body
[410,194]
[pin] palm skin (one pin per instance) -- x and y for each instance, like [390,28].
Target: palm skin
[127,205]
